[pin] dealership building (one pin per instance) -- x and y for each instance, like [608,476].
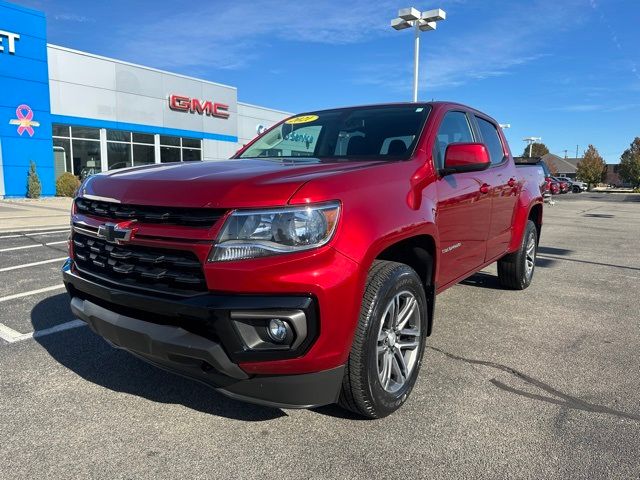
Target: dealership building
[72,111]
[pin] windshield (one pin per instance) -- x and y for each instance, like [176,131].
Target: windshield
[364,133]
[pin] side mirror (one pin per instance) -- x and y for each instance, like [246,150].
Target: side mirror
[465,157]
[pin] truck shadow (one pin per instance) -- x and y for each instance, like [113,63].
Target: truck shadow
[482,280]
[488,280]
[89,356]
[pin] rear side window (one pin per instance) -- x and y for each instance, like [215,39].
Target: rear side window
[491,139]
[453,129]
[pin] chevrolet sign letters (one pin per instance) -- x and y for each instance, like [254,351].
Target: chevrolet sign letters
[11,41]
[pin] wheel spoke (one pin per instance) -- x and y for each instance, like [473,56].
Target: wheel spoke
[382,335]
[410,345]
[399,368]
[409,332]
[406,313]
[399,358]
[387,370]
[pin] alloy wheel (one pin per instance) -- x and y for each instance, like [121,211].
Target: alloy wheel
[398,341]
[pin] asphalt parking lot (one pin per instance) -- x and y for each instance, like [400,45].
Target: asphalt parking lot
[543,383]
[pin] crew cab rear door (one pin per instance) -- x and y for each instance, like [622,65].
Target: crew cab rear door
[464,205]
[504,182]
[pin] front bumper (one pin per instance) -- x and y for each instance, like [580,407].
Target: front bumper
[194,337]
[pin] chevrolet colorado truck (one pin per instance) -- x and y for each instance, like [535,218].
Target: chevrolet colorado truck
[304,270]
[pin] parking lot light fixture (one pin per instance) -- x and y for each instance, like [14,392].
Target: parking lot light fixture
[531,141]
[421,22]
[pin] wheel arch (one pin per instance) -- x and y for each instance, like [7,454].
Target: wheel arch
[525,212]
[535,215]
[419,253]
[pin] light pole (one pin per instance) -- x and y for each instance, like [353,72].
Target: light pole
[421,22]
[531,141]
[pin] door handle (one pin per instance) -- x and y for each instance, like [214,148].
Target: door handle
[512,182]
[484,188]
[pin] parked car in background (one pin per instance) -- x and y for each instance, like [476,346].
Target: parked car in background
[575,185]
[552,186]
[565,186]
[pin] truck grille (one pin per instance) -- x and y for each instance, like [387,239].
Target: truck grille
[198,217]
[165,270]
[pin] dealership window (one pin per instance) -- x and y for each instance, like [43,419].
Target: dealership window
[80,147]
[127,149]
[176,149]
[62,153]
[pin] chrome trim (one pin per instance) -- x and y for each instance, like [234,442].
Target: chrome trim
[84,231]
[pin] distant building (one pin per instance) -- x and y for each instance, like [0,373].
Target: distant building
[566,167]
[613,178]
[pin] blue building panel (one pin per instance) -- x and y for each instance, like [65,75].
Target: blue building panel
[25,111]
[16,18]
[17,92]
[16,167]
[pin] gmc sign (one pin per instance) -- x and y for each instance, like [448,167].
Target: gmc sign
[202,107]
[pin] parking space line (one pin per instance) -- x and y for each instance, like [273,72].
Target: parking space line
[24,247]
[34,234]
[31,292]
[33,231]
[33,264]
[12,336]
[42,234]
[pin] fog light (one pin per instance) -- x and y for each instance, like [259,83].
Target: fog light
[277,329]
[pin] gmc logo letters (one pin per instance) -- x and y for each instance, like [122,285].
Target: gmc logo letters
[202,107]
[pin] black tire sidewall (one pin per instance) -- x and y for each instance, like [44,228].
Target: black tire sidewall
[403,278]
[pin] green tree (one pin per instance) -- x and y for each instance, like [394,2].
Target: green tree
[629,169]
[591,169]
[33,182]
[553,168]
[537,150]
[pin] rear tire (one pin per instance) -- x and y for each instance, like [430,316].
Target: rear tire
[389,342]
[515,271]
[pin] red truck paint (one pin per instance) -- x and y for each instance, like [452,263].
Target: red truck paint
[471,219]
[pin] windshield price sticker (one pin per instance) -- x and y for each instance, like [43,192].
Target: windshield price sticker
[301,119]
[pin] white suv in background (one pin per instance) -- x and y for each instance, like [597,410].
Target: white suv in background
[576,186]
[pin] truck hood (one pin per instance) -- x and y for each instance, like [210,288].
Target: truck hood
[214,184]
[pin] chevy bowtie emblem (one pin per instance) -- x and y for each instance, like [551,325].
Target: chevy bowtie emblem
[116,232]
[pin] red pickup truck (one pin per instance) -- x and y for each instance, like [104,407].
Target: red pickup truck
[304,271]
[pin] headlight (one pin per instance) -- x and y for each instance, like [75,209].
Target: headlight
[258,233]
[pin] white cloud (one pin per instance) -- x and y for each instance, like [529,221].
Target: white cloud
[516,35]
[231,34]
[72,17]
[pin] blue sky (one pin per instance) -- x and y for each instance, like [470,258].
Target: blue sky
[567,71]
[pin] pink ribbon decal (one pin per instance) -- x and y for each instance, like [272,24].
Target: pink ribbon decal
[24,120]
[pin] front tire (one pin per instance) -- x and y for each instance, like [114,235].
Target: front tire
[389,342]
[515,271]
